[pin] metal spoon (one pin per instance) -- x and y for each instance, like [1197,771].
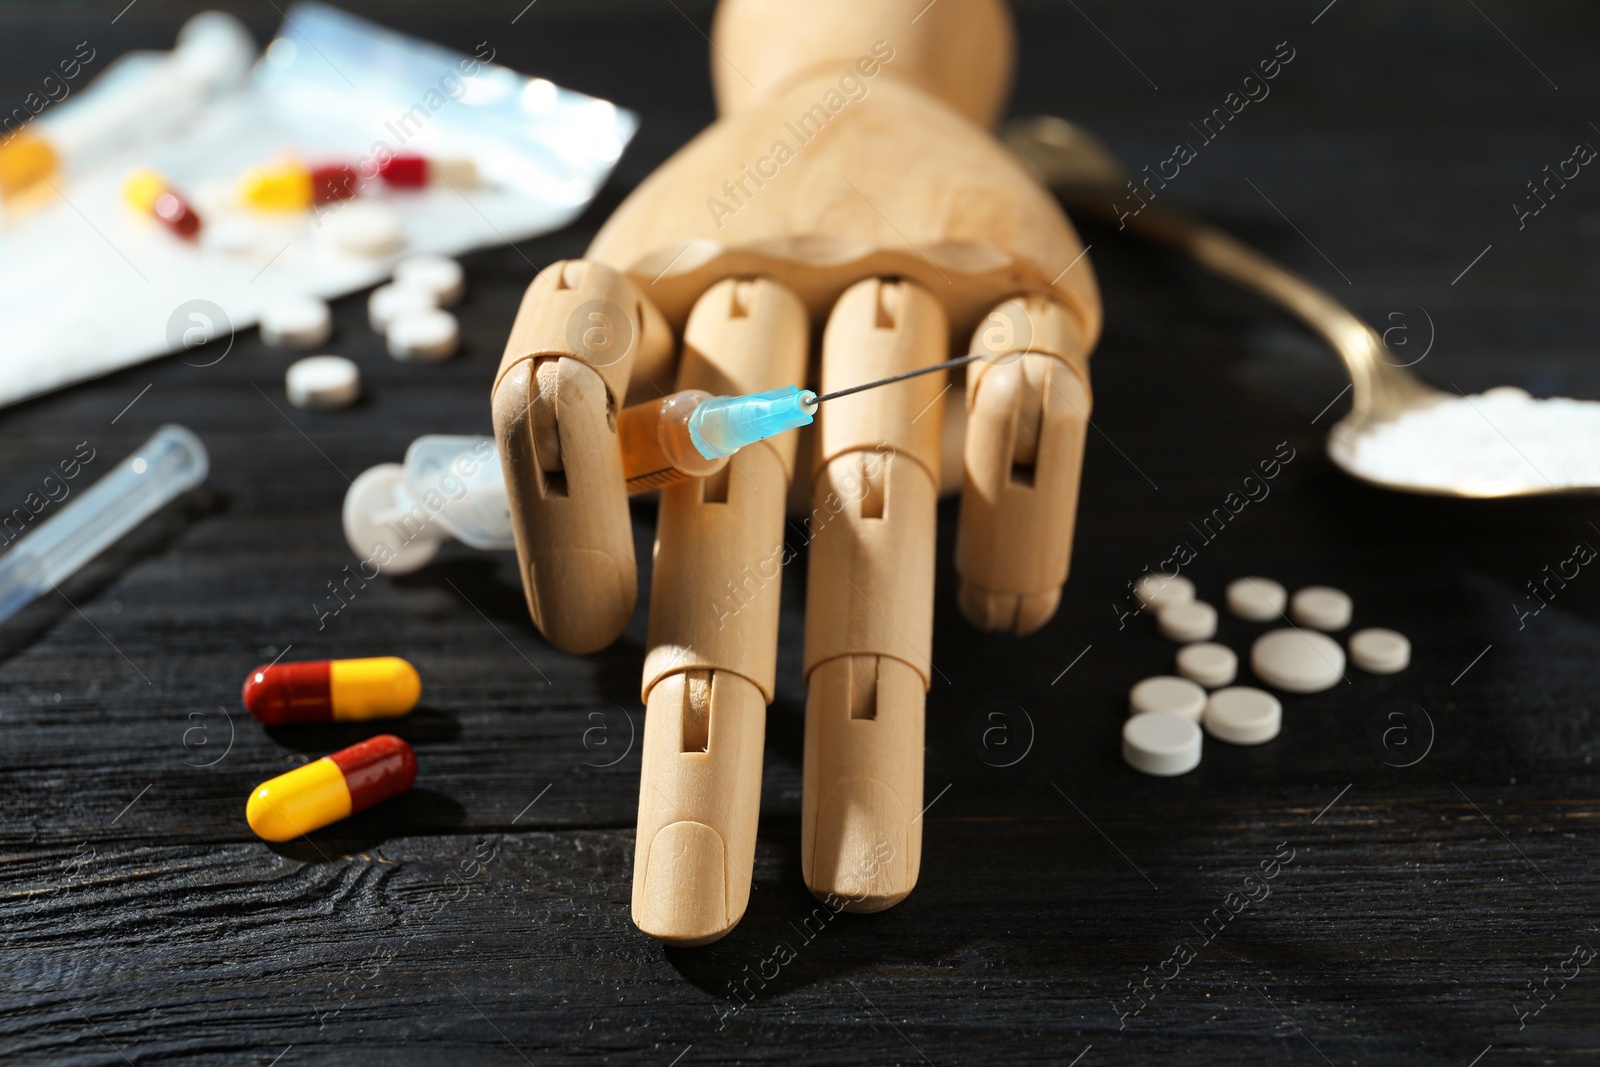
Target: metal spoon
[1089,178]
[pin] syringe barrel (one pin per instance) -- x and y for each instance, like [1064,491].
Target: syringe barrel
[656,446]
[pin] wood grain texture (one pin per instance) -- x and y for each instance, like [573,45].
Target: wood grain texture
[464,926]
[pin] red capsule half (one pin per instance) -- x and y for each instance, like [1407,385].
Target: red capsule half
[376,769]
[177,215]
[404,171]
[282,694]
[334,181]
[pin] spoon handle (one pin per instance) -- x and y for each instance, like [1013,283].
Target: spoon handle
[1090,180]
[1232,258]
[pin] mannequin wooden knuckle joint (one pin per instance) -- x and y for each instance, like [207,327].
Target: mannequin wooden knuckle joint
[847,218]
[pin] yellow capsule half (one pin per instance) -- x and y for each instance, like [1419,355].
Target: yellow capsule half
[305,799]
[286,188]
[142,188]
[379,688]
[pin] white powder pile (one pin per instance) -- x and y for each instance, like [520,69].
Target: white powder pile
[1499,443]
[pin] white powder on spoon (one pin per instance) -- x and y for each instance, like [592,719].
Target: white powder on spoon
[1499,443]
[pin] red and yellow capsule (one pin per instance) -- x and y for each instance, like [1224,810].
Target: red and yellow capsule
[295,187]
[332,690]
[408,171]
[150,193]
[331,788]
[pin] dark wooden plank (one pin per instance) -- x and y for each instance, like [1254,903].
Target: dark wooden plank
[398,948]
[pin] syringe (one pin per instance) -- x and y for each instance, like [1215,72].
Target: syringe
[397,516]
[171,462]
[691,434]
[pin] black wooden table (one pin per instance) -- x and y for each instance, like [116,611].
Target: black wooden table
[1431,837]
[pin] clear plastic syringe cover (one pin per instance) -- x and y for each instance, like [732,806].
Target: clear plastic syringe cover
[169,463]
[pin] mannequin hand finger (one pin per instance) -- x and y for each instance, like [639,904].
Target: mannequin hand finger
[555,400]
[710,670]
[1027,413]
[869,601]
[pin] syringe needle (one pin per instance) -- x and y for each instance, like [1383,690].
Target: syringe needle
[171,462]
[959,361]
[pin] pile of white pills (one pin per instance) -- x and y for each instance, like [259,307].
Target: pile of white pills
[1166,714]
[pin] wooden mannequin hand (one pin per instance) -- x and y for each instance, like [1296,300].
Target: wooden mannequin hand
[978,258]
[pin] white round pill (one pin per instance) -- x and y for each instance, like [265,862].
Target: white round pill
[1161,743]
[1256,599]
[1241,715]
[423,336]
[1166,693]
[323,382]
[1321,607]
[1192,620]
[1208,663]
[1380,651]
[296,322]
[365,227]
[1157,590]
[1297,661]
[439,275]
[388,301]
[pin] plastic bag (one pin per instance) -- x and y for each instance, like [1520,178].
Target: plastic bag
[87,285]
